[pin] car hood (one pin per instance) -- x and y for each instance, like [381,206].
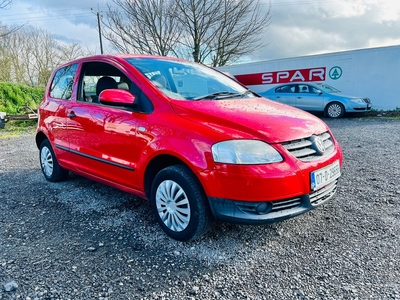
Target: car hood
[268,92]
[333,95]
[251,118]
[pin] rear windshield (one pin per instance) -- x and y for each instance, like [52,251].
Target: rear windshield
[327,88]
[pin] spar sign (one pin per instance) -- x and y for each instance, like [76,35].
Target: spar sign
[301,75]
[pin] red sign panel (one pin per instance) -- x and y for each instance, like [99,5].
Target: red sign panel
[302,75]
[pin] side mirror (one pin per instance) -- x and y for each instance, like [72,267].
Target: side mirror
[319,92]
[116,97]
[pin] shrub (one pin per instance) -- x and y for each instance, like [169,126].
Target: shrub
[15,96]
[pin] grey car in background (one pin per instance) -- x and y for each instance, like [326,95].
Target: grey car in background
[318,97]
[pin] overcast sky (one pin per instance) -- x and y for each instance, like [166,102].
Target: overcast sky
[298,27]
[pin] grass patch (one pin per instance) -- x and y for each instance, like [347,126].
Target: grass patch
[393,114]
[390,114]
[17,128]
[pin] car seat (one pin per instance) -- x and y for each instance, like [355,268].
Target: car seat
[159,80]
[104,83]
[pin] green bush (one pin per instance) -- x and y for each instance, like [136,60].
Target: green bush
[13,97]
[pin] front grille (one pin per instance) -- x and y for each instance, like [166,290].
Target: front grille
[305,150]
[269,207]
[320,196]
[285,204]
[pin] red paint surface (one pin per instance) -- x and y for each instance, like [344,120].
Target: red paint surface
[111,142]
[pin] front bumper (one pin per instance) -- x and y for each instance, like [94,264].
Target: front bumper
[360,108]
[263,212]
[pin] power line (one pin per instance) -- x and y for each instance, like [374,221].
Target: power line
[45,15]
[275,3]
[79,12]
[42,12]
[44,18]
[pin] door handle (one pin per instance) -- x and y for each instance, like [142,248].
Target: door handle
[278,97]
[299,97]
[71,115]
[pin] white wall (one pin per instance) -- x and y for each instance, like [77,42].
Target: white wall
[372,73]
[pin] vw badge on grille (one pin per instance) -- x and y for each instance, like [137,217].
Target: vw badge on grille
[318,144]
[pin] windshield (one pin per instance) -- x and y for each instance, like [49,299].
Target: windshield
[327,88]
[188,80]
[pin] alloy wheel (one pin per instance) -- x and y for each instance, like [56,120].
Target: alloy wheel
[335,110]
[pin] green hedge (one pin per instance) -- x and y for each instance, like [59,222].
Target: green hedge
[13,97]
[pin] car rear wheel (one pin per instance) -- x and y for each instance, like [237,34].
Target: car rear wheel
[334,110]
[49,164]
[179,203]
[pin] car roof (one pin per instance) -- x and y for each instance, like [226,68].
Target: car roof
[103,57]
[115,57]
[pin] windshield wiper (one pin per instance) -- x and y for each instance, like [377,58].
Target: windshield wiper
[245,93]
[220,95]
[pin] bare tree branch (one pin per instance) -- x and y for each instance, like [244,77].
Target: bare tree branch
[142,26]
[5,3]
[208,31]
[29,55]
[10,31]
[197,18]
[238,32]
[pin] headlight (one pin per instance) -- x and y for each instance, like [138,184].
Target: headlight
[245,152]
[357,100]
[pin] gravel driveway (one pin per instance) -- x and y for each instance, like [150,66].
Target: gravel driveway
[83,240]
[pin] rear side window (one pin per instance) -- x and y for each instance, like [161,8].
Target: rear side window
[61,87]
[285,89]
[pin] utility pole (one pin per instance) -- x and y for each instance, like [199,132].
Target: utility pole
[99,27]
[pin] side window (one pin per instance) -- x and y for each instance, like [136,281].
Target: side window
[303,88]
[99,76]
[314,90]
[61,87]
[285,89]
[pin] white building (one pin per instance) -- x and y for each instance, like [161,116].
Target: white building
[372,73]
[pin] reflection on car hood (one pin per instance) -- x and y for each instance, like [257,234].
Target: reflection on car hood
[251,118]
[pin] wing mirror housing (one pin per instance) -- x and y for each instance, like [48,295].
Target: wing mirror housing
[116,97]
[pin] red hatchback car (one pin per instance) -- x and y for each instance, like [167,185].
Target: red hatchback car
[196,143]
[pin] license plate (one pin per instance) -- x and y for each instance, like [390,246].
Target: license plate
[324,176]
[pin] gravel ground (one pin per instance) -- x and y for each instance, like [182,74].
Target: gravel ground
[83,240]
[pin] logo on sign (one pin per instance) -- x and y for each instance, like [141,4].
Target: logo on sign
[288,76]
[302,75]
[335,73]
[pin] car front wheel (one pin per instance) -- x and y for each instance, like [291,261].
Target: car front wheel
[179,203]
[49,164]
[334,110]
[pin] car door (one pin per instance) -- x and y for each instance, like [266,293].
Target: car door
[103,137]
[285,94]
[309,98]
[55,110]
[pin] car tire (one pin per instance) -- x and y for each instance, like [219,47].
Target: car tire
[180,204]
[334,110]
[52,171]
